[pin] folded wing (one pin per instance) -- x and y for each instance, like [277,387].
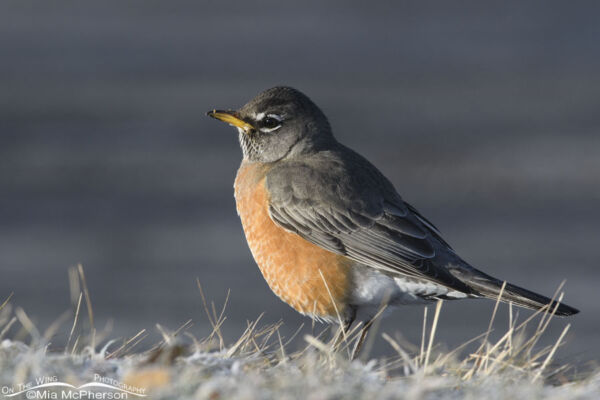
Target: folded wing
[362,218]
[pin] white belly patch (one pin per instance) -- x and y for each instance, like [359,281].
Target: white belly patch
[373,288]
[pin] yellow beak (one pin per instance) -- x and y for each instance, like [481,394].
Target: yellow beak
[232,118]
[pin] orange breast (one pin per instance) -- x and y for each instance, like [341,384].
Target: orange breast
[302,274]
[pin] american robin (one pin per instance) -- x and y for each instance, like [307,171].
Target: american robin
[330,234]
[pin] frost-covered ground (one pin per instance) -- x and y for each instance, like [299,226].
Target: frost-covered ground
[218,375]
[259,365]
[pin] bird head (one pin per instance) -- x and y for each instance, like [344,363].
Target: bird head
[279,123]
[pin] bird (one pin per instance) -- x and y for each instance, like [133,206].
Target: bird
[331,235]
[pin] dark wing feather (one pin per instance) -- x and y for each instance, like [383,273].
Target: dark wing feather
[431,227]
[362,217]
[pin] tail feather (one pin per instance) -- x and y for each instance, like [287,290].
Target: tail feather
[490,287]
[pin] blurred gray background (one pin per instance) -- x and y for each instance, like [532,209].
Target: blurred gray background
[485,117]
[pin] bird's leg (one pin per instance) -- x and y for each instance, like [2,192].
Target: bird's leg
[344,329]
[361,338]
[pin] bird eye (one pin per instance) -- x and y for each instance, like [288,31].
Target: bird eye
[270,123]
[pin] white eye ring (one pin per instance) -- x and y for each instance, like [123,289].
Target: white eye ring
[276,117]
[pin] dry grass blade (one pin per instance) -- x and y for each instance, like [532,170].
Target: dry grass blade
[294,335]
[545,318]
[27,324]
[438,308]
[319,336]
[281,348]
[242,342]
[337,312]
[455,351]
[74,284]
[7,327]
[124,347]
[479,356]
[75,344]
[405,357]
[557,298]
[86,294]
[551,354]
[375,323]
[215,320]
[498,299]
[423,337]
[493,349]
[55,326]
[6,301]
[545,321]
[75,319]
[316,343]
[511,324]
